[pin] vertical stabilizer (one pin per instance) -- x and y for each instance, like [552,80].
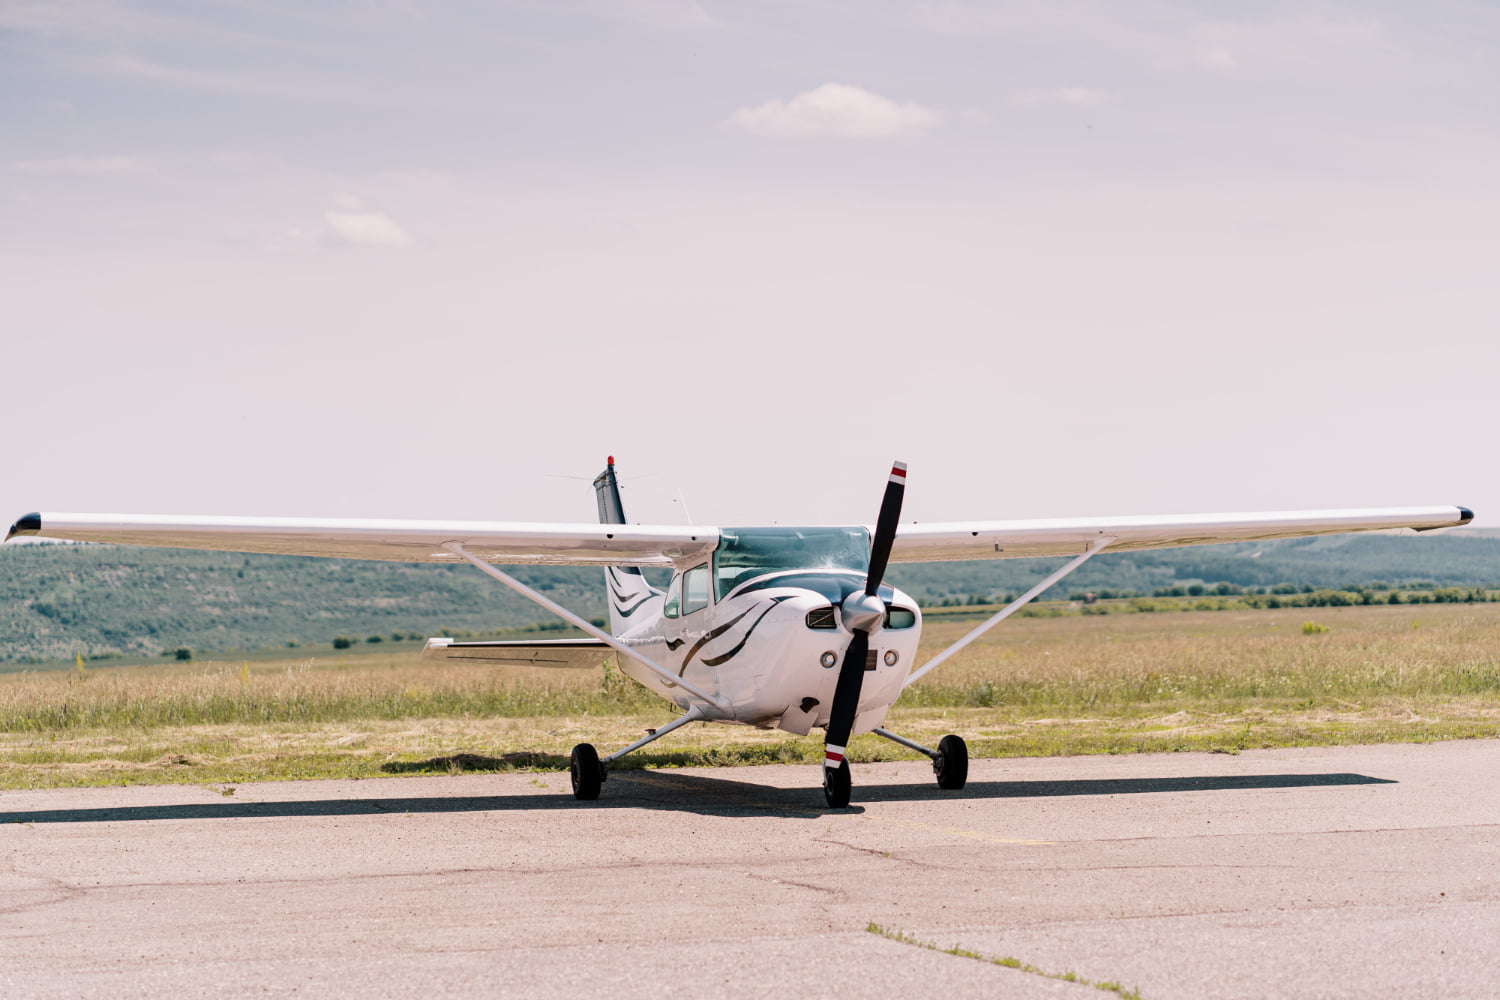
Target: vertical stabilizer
[630,598]
[607,491]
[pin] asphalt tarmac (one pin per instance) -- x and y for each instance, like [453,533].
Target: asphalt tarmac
[1356,871]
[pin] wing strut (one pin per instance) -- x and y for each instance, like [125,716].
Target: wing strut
[693,715]
[1094,549]
[458,549]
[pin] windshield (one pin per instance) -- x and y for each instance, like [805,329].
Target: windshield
[746,553]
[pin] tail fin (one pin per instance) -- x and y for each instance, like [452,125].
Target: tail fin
[607,491]
[629,596]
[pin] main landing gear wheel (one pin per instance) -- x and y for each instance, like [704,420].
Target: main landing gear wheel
[836,785]
[588,773]
[952,764]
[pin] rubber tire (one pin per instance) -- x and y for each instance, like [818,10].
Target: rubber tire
[836,786]
[588,773]
[952,764]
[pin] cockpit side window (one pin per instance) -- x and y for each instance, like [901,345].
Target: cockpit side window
[695,589]
[674,597]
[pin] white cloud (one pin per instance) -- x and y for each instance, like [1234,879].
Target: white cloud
[260,85]
[348,222]
[361,227]
[837,110]
[1309,40]
[1301,42]
[114,22]
[671,15]
[88,165]
[1215,57]
[1065,95]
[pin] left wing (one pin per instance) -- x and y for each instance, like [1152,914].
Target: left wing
[532,653]
[506,542]
[1072,536]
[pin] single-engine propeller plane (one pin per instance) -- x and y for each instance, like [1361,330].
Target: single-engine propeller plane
[789,627]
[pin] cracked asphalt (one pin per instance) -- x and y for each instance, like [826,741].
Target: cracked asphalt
[1331,872]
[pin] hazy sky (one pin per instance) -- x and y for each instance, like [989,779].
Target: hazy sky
[419,259]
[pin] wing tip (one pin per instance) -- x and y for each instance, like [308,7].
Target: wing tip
[28,524]
[1465,515]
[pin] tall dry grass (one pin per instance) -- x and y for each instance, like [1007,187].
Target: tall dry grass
[1149,662]
[1124,664]
[306,691]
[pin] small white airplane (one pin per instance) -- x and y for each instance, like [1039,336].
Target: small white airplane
[789,627]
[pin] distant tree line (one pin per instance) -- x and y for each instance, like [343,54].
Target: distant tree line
[109,602]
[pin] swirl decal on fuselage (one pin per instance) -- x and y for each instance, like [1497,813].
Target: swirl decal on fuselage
[725,658]
[715,633]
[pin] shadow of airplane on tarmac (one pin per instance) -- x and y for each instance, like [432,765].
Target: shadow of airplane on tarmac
[695,793]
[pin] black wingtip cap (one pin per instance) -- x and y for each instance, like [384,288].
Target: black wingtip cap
[1468,515]
[31,524]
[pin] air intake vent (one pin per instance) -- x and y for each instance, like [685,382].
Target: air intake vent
[821,618]
[870,658]
[900,617]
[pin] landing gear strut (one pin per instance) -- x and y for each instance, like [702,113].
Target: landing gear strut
[950,761]
[590,770]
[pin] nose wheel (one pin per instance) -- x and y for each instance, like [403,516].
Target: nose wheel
[836,785]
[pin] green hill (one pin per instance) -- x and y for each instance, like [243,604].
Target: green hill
[98,600]
[58,600]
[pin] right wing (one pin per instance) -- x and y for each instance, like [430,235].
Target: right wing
[524,652]
[505,542]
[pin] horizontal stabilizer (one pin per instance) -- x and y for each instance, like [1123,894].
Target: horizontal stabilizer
[526,652]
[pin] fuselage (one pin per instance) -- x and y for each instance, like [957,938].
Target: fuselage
[759,624]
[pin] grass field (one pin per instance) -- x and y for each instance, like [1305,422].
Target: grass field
[1119,683]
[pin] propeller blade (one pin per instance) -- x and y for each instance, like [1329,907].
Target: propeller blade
[862,614]
[885,528]
[845,700]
